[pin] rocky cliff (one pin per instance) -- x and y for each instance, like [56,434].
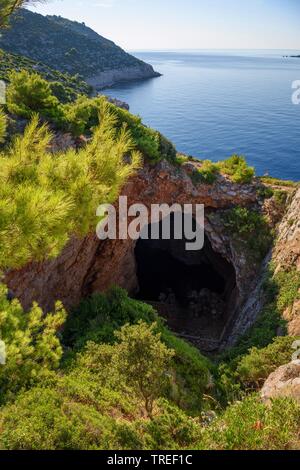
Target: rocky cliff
[286,256]
[108,78]
[88,265]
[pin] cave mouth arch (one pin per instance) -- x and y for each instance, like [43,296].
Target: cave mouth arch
[194,290]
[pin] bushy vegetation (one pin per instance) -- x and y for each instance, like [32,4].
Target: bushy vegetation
[28,93]
[251,425]
[260,351]
[83,115]
[208,172]
[123,394]
[115,395]
[235,168]
[278,182]
[97,318]
[32,348]
[46,198]
[71,47]
[64,86]
[280,291]
[254,368]
[251,228]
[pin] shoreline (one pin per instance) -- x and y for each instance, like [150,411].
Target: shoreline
[109,78]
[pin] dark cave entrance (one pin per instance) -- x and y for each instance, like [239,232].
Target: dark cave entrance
[194,290]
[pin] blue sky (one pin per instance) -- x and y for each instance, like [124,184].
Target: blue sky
[188,24]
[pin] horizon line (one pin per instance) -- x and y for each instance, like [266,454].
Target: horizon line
[212,49]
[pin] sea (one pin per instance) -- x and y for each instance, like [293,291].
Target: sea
[213,104]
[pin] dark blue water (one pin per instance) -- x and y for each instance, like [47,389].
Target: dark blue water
[212,105]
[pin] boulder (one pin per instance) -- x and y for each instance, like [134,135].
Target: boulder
[284,382]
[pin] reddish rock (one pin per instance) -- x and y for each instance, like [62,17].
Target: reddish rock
[89,265]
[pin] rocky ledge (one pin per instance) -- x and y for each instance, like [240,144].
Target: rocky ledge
[109,78]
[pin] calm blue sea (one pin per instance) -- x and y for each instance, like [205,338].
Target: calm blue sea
[214,104]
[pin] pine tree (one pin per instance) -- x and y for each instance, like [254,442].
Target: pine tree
[46,198]
[8,7]
[28,93]
[32,348]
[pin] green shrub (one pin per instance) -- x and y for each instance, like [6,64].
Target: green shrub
[265,192]
[278,182]
[142,362]
[97,318]
[180,159]
[250,227]
[191,376]
[288,283]
[254,368]
[99,402]
[83,115]
[64,86]
[251,425]
[269,320]
[31,344]
[280,197]
[45,198]
[44,419]
[281,290]
[208,172]
[28,93]
[237,169]
[170,429]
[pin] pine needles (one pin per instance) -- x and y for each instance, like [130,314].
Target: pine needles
[46,198]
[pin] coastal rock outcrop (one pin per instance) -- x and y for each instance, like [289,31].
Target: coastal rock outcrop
[89,265]
[109,78]
[284,382]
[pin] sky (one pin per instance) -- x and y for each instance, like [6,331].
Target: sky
[187,24]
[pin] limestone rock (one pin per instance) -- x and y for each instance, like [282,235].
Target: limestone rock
[89,265]
[284,382]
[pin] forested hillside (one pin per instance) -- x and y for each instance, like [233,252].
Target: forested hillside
[65,45]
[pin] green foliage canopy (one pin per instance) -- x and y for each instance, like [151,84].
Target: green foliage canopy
[46,198]
[32,347]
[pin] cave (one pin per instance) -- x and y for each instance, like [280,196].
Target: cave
[195,291]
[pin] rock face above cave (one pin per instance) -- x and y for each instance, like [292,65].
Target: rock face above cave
[284,382]
[287,249]
[88,265]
